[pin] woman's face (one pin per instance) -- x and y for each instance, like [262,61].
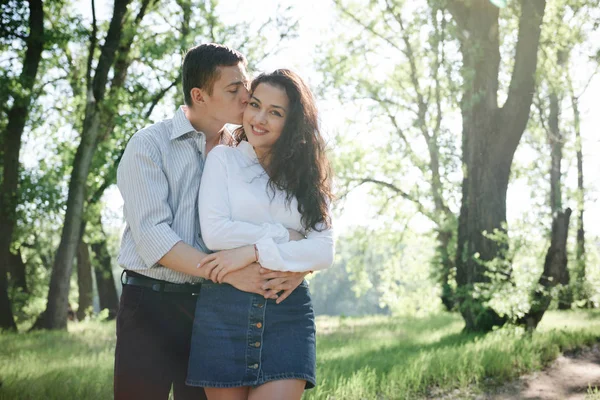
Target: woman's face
[265,117]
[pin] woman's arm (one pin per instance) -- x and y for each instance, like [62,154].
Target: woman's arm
[314,253]
[219,231]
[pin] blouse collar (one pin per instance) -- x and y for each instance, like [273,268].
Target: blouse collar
[247,149]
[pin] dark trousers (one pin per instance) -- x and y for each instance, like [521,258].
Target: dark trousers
[153,345]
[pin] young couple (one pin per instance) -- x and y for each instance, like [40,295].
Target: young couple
[237,323]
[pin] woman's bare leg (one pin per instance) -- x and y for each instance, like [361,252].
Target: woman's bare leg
[238,393]
[285,389]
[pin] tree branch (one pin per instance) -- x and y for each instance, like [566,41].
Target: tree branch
[515,112]
[409,52]
[158,97]
[93,42]
[398,192]
[109,49]
[360,22]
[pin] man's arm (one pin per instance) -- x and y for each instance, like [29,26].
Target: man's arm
[145,191]
[184,258]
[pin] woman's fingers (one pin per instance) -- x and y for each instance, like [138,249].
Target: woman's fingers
[222,272]
[284,295]
[275,274]
[206,260]
[273,283]
[214,269]
[270,294]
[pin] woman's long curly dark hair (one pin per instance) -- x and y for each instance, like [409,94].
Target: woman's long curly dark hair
[298,163]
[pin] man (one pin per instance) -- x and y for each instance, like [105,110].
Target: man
[159,178]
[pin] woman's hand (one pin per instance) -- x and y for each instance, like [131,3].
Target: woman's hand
[281,281]
[223,262]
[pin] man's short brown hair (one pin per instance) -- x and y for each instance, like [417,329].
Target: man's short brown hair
[200,67]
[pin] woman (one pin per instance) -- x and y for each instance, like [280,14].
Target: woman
[277,179]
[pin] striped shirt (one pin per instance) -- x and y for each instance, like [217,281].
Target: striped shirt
[159,178]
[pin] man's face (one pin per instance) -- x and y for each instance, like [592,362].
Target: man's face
[229,96]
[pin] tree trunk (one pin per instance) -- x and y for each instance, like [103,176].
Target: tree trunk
[555,266]
[55,316]
[104,276]
[7,320]
[11,142]
[555,140]
[447,265]
[17,271]
[580,267]
[84,280]
[489,140]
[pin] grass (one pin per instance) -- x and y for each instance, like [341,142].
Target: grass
[358,358]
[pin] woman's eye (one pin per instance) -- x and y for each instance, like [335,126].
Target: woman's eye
[233,91]
[253,104]
[276,113]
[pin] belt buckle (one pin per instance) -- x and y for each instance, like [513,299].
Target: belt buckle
[158,287]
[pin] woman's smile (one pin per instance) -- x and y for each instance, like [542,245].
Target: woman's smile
[258,131]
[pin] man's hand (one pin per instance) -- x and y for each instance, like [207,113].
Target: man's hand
[249,280]
[295,235]
[281,281]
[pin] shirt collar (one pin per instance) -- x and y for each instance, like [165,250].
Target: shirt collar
[247,149]
[181,125]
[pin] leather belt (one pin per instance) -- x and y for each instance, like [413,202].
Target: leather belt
[162,286]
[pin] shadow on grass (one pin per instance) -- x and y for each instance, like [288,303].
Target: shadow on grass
[407,328]
[51,343]
[590,314]
[60,383]
[386,358]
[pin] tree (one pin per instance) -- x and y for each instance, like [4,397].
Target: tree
[490,136]
[580,259]
[554,270]
[55,316]
[566,24]
[408,104]
[84,280]
[21,96]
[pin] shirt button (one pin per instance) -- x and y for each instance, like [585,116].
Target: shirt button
[257,344]
[259,325]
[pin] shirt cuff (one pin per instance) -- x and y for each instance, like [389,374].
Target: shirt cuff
[156,242]
[268,255]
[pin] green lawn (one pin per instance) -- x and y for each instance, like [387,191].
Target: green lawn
[358,358]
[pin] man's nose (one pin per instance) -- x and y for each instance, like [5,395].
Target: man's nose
[245,96]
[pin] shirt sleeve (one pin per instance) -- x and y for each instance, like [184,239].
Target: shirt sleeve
[314,253]
[145,190]
[219,230]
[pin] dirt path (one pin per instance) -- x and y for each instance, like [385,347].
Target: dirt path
[569,377]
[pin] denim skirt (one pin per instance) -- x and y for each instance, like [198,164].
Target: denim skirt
[241,339]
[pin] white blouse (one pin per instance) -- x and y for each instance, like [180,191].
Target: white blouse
[237,208]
